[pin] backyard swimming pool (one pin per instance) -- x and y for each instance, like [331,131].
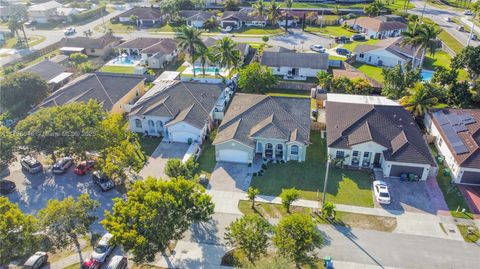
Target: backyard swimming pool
[427,75]
[211,70]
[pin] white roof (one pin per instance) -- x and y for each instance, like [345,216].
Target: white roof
[45,6]
[167,75]
[60,77]
[360,99]
[71,49]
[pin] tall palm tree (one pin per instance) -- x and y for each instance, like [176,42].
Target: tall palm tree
[274,12]
[203,54]
[421,38]
[230,4]
[375,8]
[419,99]
[226,54]
[289,4]
[259,7]
[188,39]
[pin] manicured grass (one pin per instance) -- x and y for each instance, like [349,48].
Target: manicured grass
[397,5]
[269,210]
[351,46]
[334,57]
[165,28]
[470,238]
[118,69]
[149,144]
[288,93]
[336,30]
[451,193]
[206,160]
[116,27]
[440,58]
[451,42]
[261,31]
[373,72]
[344,186]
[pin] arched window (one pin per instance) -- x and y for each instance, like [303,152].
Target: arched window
[138,123]
[294,150]
[151,125]
[269,146]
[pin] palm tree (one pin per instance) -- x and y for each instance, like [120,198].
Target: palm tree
[375,8]
[203,54]
[289,4]
[230,4]
[259,7]
[422,38]
[134,19]
[188,39]
[226,54]
[419,99]
[274,12]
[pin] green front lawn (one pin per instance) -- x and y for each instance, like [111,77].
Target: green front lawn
[373,72]
[206,160]
[336,30]
[118,69]
[165,28]
[345,187]
[260,31]
[451,42]
[149,144]
[394,5]
[470,238]
[442,59]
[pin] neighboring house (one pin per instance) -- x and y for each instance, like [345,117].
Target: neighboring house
[44,12]
[145,16]
[115,91]
[154,52]
[355,74]
[372,131]
[68,12]
[101,46]
[53,73]
[387,52]
[210,42]
[457,137]
[179,111]
[243,17]
[196,18]
[274,128]
[294,64]
[379,27]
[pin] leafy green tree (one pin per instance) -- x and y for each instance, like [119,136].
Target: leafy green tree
[375,8]
[256,78]
[169,8]
[468,59]
[176,168]
[226,54]
[64,222]
[252,194]
[296,238]
[78,58]
[155,213]
[360,86]
[249,235]
[459,95]
[189,39]
[8,146]
[325,80]
[397,80]
[21,91]
[16,232]
[288,197]
[340,85]
[230,5]
[67,129]
[328,210]
[260,8]
[265,38]
[17,17]
[419,99]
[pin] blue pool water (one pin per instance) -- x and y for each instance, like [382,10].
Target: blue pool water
[427,75]
[123,60]
[207,69]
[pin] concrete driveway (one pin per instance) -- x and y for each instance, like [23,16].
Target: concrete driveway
[408,196]
[156,163]
[231,177]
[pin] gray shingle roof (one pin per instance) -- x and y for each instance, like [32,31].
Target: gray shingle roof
[45,69]
[244,15]
[295,60]
[195,15]
[253,115]
[389,126]
[90,43]
[191,102]
[392,45]
[143,13]
[106,88]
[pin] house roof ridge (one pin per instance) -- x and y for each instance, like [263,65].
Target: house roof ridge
[195,98]
[103,88]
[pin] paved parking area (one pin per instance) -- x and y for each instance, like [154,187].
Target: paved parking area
[231,177]
[34,191]
[156,163]
[408,196]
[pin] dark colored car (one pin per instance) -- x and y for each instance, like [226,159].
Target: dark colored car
[358,37]
[342,39]
[90,264]
[102,181]
[83,167]
[7,186]
[31,165]
[62,165]
[342,51]
[36,261]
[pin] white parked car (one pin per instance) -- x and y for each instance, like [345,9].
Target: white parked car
[468,13]
[69,31]
[380,189]
[318,48]
[448,19]
[103,248]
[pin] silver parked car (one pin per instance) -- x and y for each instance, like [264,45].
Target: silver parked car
[62,165]
[31,165]
[36,261]
[103,248]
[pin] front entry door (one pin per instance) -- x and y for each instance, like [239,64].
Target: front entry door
[376,160]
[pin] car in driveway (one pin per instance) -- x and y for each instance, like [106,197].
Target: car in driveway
[380,189]
[83,167]
[62,165]
[468,13]
[474,37]
[7,186]
[461,28]
[358,37]
[36,261]
[117,262]
[342,51]
[318,48]
[31,165]
[102,181]
[342,39]
[103,248]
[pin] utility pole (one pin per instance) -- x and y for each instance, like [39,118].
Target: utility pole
[471,29]
[423,11]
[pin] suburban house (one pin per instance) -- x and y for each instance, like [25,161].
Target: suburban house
[210,42]
[379,27]
[53,73]
[179,111]
[272,128]
[100,46]
[375,132]
[195,18]
[68,12]
[154,52]
[144,16]
[457,137]
[387,52]
[292,65]
[243,17]
[44,12]
[355,74]
[114,91]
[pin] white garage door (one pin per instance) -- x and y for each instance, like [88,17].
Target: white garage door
[183,137]
[233,155]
